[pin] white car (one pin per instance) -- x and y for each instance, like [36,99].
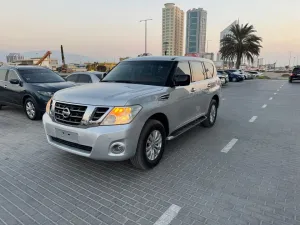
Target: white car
[255,73]
[86,77]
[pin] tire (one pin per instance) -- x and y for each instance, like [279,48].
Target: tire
[291,80]
[209,122]
[140,160]
[234,79]
[35,113]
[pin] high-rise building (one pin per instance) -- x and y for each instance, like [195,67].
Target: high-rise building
[196,31]
[227,31]
[172,30]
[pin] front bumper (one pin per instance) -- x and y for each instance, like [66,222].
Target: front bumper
[93,142]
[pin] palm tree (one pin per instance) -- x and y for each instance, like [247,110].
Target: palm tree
[242,42]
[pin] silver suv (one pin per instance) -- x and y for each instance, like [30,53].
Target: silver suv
[138,106]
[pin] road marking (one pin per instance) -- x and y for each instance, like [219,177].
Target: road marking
[229,145]
[253,119]
[223,99]
[264,106]
[168,215]
[271,98]
[275,93]
[277,89]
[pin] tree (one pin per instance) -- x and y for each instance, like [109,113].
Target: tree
[242,42]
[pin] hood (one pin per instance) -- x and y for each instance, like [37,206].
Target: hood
[104,94]
[52,87]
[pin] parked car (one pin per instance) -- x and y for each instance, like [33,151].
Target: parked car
[247,75]
[29,87]
[295,75]
[86,77]
[223,77]
[237,72]
[140,104]
[255,73]
[234,76]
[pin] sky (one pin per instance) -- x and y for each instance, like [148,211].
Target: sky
[111,29]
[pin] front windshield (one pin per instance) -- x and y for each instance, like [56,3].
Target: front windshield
[39,75]
[141,72]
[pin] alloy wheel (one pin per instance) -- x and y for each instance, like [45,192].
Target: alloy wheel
[153,145]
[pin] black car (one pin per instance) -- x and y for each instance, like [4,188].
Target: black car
[29,87]
[295,75]
[233,77]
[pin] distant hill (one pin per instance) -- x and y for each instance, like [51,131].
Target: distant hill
[69,57]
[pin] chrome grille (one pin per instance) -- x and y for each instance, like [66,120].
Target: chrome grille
[75,116]
[99,112]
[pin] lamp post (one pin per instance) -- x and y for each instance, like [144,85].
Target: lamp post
[145,32]
[207,45]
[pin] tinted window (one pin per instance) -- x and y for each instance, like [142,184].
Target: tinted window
[296,70]
[182,69]
[209,69]
[2,74]
[197,70]
[141,72]
[72,78]
[12,75]
[83,78]
[39,75]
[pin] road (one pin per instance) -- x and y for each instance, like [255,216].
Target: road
[244,170]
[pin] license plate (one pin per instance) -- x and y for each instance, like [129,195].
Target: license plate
[66,135]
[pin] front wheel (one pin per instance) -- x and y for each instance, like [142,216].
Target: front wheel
[211,115]
[151,145]
[31,109]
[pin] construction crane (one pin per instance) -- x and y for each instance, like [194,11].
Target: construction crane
[47,54]
[63,68]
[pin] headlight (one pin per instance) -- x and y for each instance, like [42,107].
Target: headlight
[46,93]
[121,115]
[48,106]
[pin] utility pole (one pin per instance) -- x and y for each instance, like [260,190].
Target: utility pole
[145,33]
[290,59]
[207,45]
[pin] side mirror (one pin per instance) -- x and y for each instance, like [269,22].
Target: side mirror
[14,81]
[182,80]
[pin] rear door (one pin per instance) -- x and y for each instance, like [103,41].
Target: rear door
[199,85]
[14,91]
[3,85]
[211,82]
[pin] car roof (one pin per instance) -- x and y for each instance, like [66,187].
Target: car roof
[167,58]
[88,72]
[22,67]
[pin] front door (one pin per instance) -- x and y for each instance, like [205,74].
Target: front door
[181,106]
[13,91]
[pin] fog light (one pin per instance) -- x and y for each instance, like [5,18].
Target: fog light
[117,148]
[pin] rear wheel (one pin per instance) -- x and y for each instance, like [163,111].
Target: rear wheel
[150,146]
[211,114]
[31,109]
[291,80]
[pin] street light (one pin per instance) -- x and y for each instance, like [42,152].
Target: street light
[145,33]
[207,45]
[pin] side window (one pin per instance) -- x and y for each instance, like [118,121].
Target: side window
[12,75]
[83,78]
[182,69]
[209,70]
[197,71]
[2,74]
[72,78]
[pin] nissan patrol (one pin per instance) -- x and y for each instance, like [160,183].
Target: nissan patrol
[138,106]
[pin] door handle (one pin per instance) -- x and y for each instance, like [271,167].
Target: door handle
[208,85]
[193,90]
[5,86]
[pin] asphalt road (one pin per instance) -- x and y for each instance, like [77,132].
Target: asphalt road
[237,172]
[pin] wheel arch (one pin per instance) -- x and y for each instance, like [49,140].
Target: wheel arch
[217,98]
[161,117]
